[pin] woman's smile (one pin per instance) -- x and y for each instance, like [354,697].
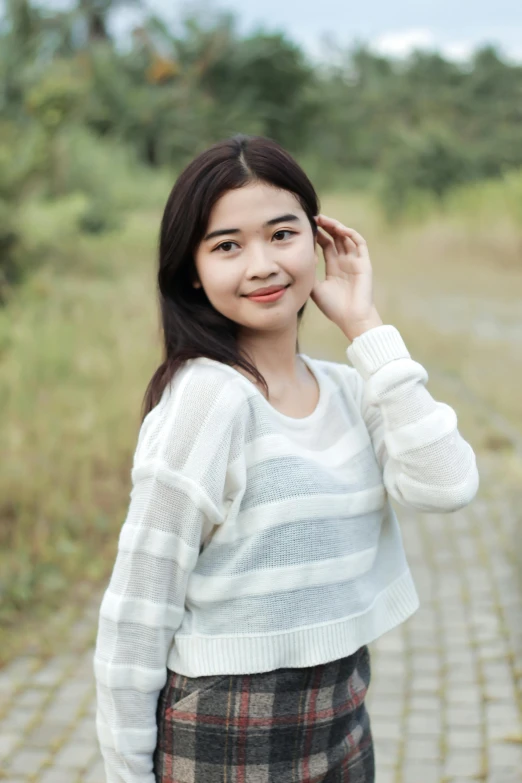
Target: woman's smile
[273,297]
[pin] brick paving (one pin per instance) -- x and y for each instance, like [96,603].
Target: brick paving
[446,692]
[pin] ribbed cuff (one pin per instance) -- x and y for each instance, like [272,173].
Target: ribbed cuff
[375,348]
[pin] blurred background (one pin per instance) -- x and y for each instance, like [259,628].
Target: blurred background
[408,120]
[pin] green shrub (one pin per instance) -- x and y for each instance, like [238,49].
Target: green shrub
[11,263]
[18,162]
[430,161]
[98,216]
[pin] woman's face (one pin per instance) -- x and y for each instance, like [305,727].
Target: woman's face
[265,239]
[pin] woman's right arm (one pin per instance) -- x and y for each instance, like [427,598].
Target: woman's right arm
[178,478]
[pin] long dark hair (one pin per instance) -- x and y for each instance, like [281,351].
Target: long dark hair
[192,326]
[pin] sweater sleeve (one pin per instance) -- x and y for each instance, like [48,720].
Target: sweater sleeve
[426,462]
[179,481]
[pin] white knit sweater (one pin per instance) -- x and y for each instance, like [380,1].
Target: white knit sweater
[255,541]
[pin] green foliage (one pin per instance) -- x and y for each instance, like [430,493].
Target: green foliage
[10,266]
[431,160]
[91,114]
[54,97]
[99,216]
[269,77]
[130,183]
[17,163]
[173,95]
[498,199]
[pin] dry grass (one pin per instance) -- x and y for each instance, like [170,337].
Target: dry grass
[78,347]
[76,358]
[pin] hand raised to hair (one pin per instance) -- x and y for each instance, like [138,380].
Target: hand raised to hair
[345,296]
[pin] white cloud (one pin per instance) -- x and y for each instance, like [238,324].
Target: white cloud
[401,43]
[459,50]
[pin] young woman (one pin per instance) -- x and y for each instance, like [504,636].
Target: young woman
[260,554]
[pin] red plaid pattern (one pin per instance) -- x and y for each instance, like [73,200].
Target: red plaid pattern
[306,725]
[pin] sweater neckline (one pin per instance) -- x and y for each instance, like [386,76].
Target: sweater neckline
[292,421]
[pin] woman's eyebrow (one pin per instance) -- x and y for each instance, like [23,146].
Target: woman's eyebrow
[271,222]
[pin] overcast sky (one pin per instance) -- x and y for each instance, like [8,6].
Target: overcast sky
[455,27]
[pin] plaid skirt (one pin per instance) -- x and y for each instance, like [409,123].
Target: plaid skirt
[306,725]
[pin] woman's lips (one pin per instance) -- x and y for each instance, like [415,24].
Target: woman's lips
[268,297]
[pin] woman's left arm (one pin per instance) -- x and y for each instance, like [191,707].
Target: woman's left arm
[426,463]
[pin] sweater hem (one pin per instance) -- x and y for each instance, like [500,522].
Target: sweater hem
[198,656]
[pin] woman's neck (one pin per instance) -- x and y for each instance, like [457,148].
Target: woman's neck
[275,356]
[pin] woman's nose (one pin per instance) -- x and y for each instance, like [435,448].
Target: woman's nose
[261,261]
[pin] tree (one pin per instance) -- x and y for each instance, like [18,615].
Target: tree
[430,160]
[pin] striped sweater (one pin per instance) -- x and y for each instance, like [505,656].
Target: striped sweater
[254,540]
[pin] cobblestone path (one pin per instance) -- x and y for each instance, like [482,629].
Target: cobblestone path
[446,692]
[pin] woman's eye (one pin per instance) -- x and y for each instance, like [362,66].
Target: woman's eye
[284,231]
[223,245]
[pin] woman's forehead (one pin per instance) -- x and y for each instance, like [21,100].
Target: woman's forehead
[253,205]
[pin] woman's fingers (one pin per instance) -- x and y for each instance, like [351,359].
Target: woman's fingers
[336,228]
[330,250]
[355,237]
[326,241]
[331,243]
[324,238]
[342,237]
